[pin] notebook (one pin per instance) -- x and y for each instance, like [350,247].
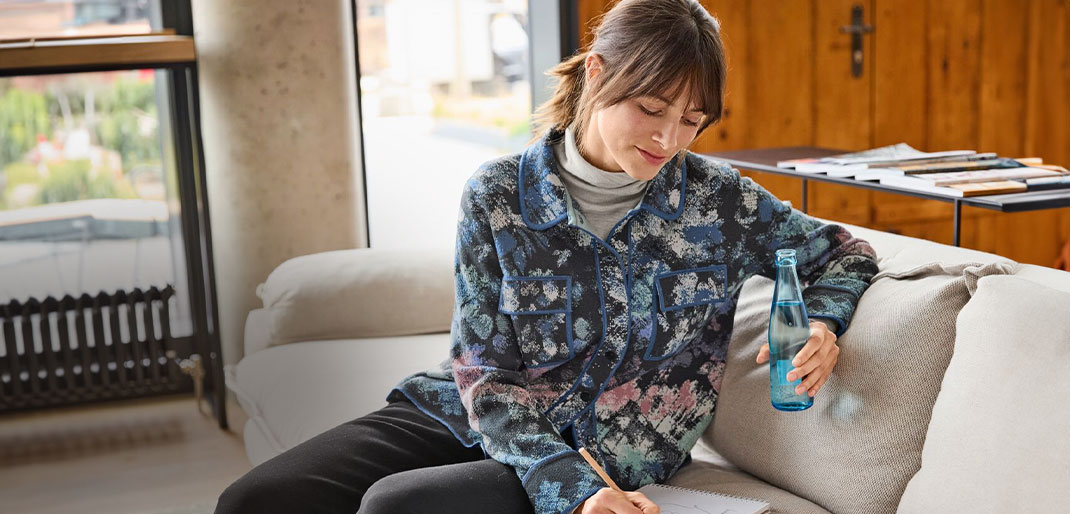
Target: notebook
[679,500]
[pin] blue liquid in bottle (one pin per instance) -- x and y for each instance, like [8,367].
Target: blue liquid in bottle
[789,329]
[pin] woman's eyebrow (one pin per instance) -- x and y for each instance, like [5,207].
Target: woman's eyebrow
[662,98]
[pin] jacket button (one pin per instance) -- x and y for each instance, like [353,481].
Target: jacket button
[585,396]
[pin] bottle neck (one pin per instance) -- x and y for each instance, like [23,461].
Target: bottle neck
[787,283]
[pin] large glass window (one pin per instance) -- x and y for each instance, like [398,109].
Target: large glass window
[87,203]
[444,87]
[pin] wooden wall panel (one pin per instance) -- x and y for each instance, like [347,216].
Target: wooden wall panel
[843,107]
[954,74]
[780,83]
[731,132]
[1003,77]
[900,104]
[1002,106]
[991,75]
[1036,237]
[952,56]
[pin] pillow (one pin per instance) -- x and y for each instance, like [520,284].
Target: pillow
[857,447]
[361,292]
[997,441]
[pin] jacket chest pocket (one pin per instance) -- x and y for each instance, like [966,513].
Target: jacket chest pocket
[685,300]
[541,312]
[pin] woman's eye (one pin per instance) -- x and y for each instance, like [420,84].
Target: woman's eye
[690,123]
[647,111]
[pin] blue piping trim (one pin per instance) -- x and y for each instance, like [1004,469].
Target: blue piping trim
[628,279]
[683,196]
[649,354]
[523,210]
[665,215]
[583,372]
[834,288]
[620,359]
[601,300]
[436,418]
[586,495]
[716,267]
[542,462]
[567,312]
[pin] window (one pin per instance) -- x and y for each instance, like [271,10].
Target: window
[85,203]
[444,87]
[101,175]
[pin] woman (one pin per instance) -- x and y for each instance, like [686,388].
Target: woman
[596,280]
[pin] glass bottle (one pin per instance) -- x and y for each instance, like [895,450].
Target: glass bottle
[789,329]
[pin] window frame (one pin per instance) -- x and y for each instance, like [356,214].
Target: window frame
[170,49]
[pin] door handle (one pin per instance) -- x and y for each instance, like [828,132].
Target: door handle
[856,29]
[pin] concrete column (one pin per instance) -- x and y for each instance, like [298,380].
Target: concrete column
[279,108]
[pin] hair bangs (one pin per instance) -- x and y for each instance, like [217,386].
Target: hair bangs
[683,65]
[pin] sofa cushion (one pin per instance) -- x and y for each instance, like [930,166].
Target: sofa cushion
[708,471]
[363,292]
[857,447]
[294,392]
[997,441]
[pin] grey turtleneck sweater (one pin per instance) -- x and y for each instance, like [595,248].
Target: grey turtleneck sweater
[604,197]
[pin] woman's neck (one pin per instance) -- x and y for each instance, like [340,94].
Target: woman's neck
[593,149]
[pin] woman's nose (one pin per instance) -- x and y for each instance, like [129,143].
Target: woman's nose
[666,135]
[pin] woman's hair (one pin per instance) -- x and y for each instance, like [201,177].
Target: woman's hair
[648,47]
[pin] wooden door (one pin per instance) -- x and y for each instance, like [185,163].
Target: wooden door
[989,75]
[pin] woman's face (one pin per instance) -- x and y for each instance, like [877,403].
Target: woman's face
[638,135]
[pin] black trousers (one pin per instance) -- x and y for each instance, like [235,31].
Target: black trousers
[394,460]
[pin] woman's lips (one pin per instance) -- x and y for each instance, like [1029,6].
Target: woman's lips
[651,158]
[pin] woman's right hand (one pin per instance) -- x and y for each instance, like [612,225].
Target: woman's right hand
[609,501]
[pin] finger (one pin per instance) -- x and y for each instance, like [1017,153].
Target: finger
[810,384]
[812,346]
[813,392]
[763,353]
[809,366]
[645,504]
[619,503]
[828,373]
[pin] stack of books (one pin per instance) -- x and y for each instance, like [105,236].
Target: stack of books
[952,173]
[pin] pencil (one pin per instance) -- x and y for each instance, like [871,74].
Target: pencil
[598,469]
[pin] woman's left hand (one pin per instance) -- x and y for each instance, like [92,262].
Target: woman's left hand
[814,362]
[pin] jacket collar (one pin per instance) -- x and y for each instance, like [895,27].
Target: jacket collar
[543,195]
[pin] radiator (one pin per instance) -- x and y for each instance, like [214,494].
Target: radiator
[87,349]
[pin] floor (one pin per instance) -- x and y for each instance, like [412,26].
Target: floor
[146,456]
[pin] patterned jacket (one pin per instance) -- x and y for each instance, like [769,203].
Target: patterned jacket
[623,341]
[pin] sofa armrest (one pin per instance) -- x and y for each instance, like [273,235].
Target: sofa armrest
[257,331]
[345,294]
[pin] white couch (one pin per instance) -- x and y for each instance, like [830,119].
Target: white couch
[950,394]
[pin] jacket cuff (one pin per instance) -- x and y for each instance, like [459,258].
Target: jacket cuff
[830,303]
[560,482]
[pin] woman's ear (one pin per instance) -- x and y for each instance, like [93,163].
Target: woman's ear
[593,65]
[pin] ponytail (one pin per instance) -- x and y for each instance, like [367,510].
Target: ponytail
[562,109]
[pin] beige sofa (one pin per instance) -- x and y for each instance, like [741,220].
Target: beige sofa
[951,393]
